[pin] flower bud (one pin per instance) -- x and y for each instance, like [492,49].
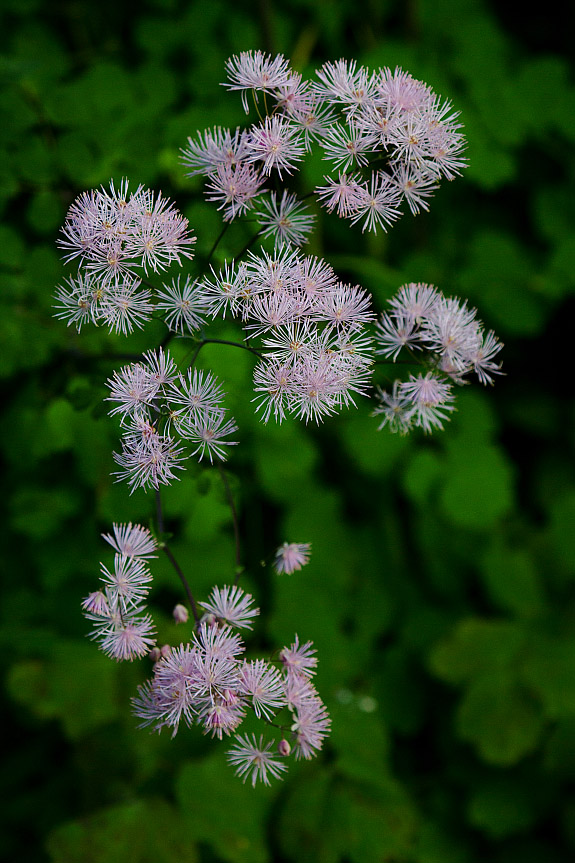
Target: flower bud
[283,747]
[180,613]
[165,650]
[155,654]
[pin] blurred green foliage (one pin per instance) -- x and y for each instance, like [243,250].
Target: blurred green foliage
[441,592]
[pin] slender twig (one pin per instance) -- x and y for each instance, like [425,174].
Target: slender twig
[234,511]
[414,362]
[233,344]
[220,236]
[149,285]
[167,339]
[247,246]
[167,551]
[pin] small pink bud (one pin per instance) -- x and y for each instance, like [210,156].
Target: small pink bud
[165,650]
[283,747]
[180,613]
[155,654]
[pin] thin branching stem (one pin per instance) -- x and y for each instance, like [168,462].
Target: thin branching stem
[230,499]
[169,554]
[247,246]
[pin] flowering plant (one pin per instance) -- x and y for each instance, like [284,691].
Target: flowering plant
[390,140]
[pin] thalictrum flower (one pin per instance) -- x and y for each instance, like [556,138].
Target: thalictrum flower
[253,758]
[291,556]
[231,605]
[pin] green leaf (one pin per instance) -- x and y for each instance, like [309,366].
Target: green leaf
[382,821]
[220,810]
[76,684]
[437,845]
[512,579]
[374,452]
[549,671]
[138,831]
[39,512]
[502,807]
[560,531]
[11,248]
[503,279]
[361,742]
[478,490]
[499,717]
[559,757]
[45,213]
[422,474]
[304,815]
[477,647]
[281,477]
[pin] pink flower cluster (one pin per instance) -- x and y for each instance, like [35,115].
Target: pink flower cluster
[124,631]
[113,234]
[206,681]
[316,354]
[445,336]
[359,119]
[155,400]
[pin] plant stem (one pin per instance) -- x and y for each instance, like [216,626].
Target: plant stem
[233,344]
[167,551]
[220,236]
[246,247]
[234,511]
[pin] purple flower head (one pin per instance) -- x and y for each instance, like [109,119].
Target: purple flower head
[291,556]
[397,332]
[347,146]
[182,304]
[129,582]
[273,384]
[96,605]
[79,302]
[395,409]
[222,715]
[344,83]
[311,719]
[234,188]
[253,758]
[231,605]
[125,635]
[215,148]
[278,144]
[148,459]
[254,70]
[345,306]
[299,659]
[376,203]
[265,687]
[132,541]
[340,194]
[430,397]
[286,220]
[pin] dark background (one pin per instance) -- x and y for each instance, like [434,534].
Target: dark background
[441,590]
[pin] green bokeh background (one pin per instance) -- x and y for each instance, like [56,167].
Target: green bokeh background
[441,591]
